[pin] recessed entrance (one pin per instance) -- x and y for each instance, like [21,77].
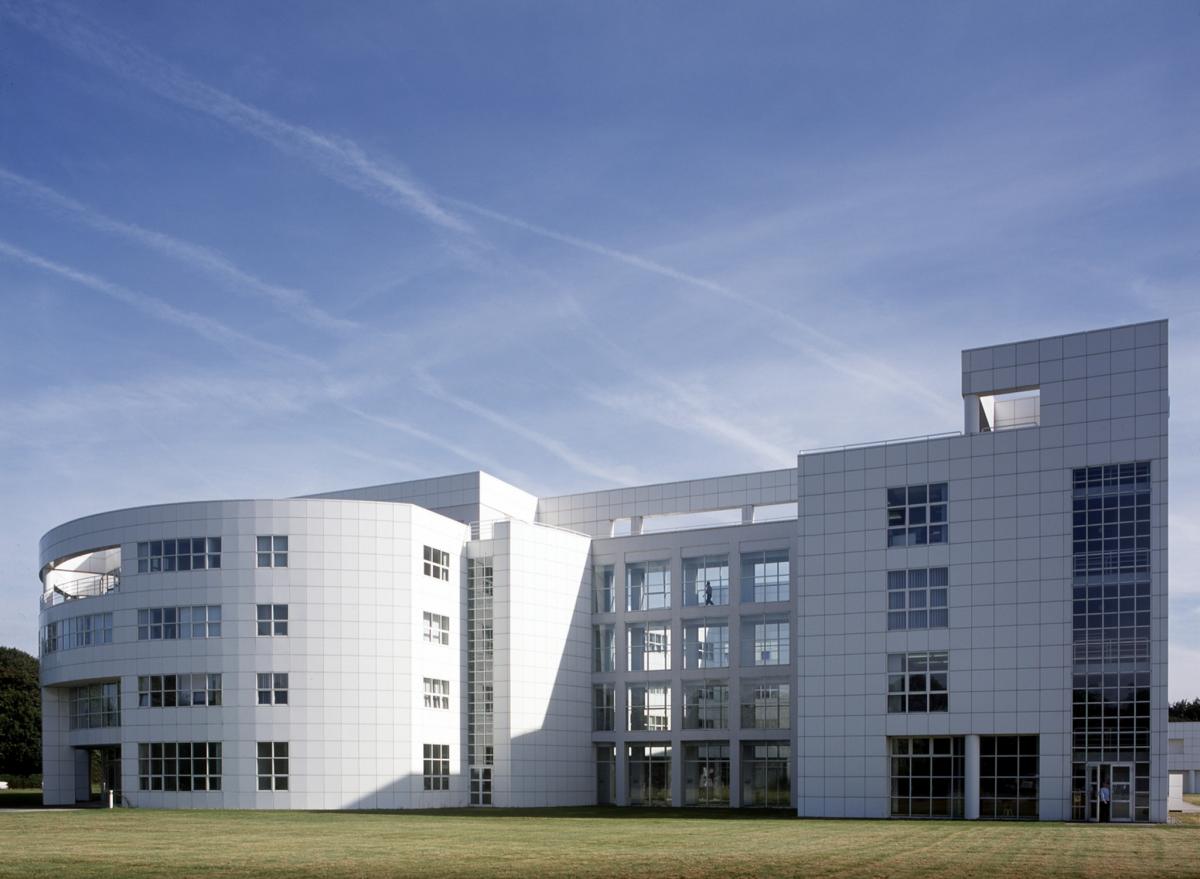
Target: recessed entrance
[1115,780]
[97,771]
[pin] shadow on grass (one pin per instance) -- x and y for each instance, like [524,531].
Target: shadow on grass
[20,799]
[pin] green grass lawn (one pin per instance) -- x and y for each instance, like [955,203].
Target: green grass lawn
[576,843]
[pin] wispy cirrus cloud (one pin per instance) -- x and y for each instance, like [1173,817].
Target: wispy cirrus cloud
[472,457]
[336,157]
[204,259]
[345,161]
[789,329]
[665,399]
[572,458]
[206,327]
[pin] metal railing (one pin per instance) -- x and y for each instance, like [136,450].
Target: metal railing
[83,587]
[485,530]
[880,443]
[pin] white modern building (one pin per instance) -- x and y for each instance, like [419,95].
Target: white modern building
[964,625]
[1183,757]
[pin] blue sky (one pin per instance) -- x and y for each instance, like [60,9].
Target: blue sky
[276,248]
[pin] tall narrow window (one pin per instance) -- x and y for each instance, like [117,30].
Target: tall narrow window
[1008,777]
[706,774]
[606,775]
[604,648]
[604,707]
[603,599]
[272,765]
[436,767]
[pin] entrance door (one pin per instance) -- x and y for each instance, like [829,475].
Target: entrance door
[1122,792]
[1118,778]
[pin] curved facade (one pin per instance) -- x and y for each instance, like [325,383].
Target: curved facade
[345,624]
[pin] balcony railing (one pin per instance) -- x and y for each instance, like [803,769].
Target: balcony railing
[84,587]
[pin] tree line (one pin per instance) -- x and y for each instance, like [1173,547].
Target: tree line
[1184,710]
[20,715]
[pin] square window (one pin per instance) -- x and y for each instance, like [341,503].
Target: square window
[924,686]
[272,619]
[272,550]
[436,563]
[916,515]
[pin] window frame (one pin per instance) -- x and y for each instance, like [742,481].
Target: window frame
[918,682]
[437,693]
[162,762]
[766,576]
[708,652]
[271,550]
[604,707]
[654,590]
[179,690]
[436,563]
[179,623]
[918,515]
[203,553]
[764,701]
[702,570]
[655,642]
[272,768]
[915,595]
[436,628]
[648,706]
[706,704]
[435,768]
[272,620]
[272,688]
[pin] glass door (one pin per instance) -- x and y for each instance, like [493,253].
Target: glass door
[1121,807]
[1110,792]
